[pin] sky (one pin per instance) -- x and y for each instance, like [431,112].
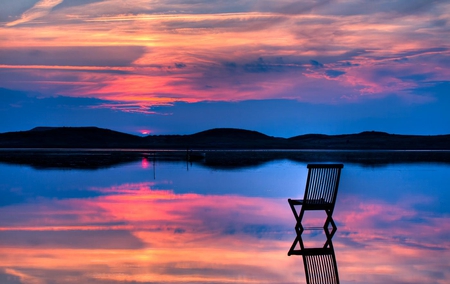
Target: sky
[283,68]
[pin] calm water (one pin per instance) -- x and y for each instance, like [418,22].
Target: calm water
[175,223]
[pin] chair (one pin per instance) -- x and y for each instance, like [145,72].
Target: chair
[320,266]
[319,263]
[320,194]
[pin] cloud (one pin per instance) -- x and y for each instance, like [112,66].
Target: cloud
[7,278]
[74,239]
[71,55]
[235,23]
[383,8]
[334,73]
[73,3]
[145,54]
[414,7]
[12,9]
[407,54]
[40,9]
[180,65]
[257,66]
[303,7]
[316,64]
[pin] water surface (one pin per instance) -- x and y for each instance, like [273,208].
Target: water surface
[172,222]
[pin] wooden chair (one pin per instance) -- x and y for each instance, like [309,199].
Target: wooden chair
[320,194]
[320,266]
[319,263]
[321,190]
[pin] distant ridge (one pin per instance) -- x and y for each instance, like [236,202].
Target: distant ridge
[217,138]
[324,136]
[227,133]
[374,140]
[67,137]
[373,133]
[42,128]
[231,138]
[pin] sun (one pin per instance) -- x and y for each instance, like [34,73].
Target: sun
[145,132]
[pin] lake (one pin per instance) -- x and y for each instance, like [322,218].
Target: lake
[154,221]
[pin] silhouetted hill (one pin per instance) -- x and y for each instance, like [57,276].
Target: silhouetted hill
[229,133]
[42,128]
[68,137]
[232,138]
[372,140]
[219,138]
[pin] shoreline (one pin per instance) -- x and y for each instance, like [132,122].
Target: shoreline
[83,158]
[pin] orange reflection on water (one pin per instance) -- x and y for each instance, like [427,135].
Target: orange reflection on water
[138,234]
[132,232]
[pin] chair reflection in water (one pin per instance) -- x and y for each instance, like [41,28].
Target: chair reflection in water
[320,194]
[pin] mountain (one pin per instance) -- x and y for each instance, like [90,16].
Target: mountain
[68,137]
[232,138]
[218,138]
[372,140]
[230,133]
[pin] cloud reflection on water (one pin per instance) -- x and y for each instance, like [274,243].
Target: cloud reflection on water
[392,243]
[135,232]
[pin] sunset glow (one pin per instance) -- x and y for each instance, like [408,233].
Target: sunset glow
[145,54]
[145,132]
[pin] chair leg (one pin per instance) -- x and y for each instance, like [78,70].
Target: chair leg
[292,250]
[298,228]
[298,216]
[291,204]
[329,234]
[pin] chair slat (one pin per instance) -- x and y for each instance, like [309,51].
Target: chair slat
[322,185]
[321,269]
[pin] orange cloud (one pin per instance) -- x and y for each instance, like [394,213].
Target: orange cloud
[39,10]
[194,54]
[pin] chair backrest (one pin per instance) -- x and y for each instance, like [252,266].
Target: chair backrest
[322,183]
[321,268]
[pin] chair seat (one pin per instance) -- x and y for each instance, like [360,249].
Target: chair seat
[311,203]
[295,201]
[312,251]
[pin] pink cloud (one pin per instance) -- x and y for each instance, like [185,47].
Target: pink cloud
[255,52]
